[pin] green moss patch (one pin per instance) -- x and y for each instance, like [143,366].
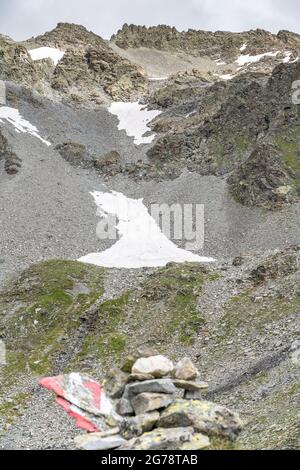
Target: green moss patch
[163,311]
[43,308]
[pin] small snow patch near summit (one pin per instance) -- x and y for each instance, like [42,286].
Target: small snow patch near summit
[46,53]
[142,243]
[134,119]
[20,124]
[247,59]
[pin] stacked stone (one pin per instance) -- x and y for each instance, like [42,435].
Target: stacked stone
[162,408]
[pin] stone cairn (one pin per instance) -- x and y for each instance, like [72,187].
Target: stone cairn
[159,406]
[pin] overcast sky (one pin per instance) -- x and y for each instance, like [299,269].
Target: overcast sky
[22,19]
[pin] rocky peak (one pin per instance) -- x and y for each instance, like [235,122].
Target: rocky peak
[69,35]
[204,43]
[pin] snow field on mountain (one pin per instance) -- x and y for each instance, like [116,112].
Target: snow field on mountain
[141,242]
[134,119]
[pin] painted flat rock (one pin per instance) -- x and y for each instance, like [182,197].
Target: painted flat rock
[83,419]
[84,400]
[80,390]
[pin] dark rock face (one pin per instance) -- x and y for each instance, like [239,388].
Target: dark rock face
[89,72]
[75,154]
[15,63]
[109,164]
[81,73]
[248,126]
[12,163]
[262,180]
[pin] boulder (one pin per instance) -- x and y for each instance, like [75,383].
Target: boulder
[149,386]
[203,416]
[185,370]
[158,366]
[96,441]
[146,402]
[136,426]
[124,407]
[115,383]
[162,439]
[139,377]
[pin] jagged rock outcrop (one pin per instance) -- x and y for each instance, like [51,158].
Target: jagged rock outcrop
[12,163]
[16,64]
[220,44]
[89,72]
[224,123]
[75,154]
[264,179]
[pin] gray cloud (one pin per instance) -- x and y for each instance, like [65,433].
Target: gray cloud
[22,19]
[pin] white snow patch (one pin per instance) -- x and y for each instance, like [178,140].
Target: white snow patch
[46,53]
[243,48]
[287,57]
[220,62]
[134,119]
[246,59]
[191,113]
[20,124]
[142,243]
[227,76]
[157,79]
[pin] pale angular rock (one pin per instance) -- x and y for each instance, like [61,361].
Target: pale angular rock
[96,441]
[133,427]
[191,386]
[146,402]
[198,442]
[149,386]
[185,370]
[139,377]
[158,366]
[203,416]
[124,407]
[162,439]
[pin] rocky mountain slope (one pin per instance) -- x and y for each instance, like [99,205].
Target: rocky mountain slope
[225,135]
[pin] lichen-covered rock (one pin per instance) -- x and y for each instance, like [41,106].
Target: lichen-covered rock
[185,370]
[198,442]
[136,426]
[203,416]
[145,402]
[162,439]
[158,366]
